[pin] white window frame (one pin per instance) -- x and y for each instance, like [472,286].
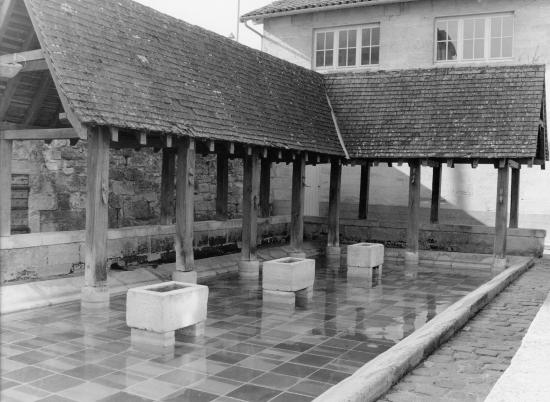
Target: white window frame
[460,39]
[336,46]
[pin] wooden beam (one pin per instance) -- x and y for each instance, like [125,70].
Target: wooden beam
[167,186]
[513,164]
[333,236]
[450,163]
[143,138]
[364,191]
[501,215]
[169,141]
[297,203]
[97,202]
[211,146]
[22,57]
[185,188]
[222,185]
[231,148]
[251,189]
[414,207]
[38,99]
[5,186]
[436,194]
[265,187]
[40,134]
[114,134]
[34,65]
[514,199]
[475,163]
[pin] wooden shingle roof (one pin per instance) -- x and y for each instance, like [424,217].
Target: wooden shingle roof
[462,113]
[122,64]
[285,7]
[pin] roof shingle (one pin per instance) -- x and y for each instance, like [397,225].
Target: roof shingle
[469,112]
[292,6]
[122,64]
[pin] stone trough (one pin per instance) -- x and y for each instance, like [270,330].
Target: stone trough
[155,312]
[363,258]
[288,281]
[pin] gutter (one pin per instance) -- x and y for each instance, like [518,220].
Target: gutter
[337,127]
[258,19]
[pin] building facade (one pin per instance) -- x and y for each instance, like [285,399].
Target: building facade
[418,34]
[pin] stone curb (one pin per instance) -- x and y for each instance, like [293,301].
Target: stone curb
[376,377]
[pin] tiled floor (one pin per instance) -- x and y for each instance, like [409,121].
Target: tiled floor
[249,352]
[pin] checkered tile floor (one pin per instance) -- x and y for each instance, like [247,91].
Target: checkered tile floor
[249,352]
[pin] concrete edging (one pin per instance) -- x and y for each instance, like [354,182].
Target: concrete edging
[376,377]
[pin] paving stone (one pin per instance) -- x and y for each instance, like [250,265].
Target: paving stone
[469,364]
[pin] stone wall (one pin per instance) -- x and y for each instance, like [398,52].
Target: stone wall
[451,238]
[43,255]
[57,186]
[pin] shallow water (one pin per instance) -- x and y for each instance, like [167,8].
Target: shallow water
[249,351]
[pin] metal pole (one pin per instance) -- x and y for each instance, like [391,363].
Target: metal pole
[238,16]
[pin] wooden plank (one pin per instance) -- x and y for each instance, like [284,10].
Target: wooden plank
[513,164]
[514,199]
[501,214]
[265,187]
[142,138]
[168,141]
[251,189]
[333,237]
[364,191]
[22,57]
[185,189]
[32,112]
[5,186]
[222,185]
[40,134]
[97,201]
[297,203]
[436,194]
[167,186]
[414,207]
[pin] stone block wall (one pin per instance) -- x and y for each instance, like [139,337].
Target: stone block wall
[45,255]
[442,237]
[56,195]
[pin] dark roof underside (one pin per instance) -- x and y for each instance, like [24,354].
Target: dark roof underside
[292,6]
[125,65]
[470,113]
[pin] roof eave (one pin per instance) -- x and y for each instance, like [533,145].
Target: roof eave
[258,18]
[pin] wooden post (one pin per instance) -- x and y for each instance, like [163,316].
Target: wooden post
[222,185]
[167,186]
[436,194]
[265,182]
[95,293]
[514,199]
[185,189]
[364,191]
[333,237]
[411,254]
[500,218]
[297,206]
[5,187]
[249,266]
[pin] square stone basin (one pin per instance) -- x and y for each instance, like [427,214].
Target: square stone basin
[365,255]
[288,274]
[166,306]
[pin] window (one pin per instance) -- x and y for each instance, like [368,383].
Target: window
[474,38]
[347,48]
